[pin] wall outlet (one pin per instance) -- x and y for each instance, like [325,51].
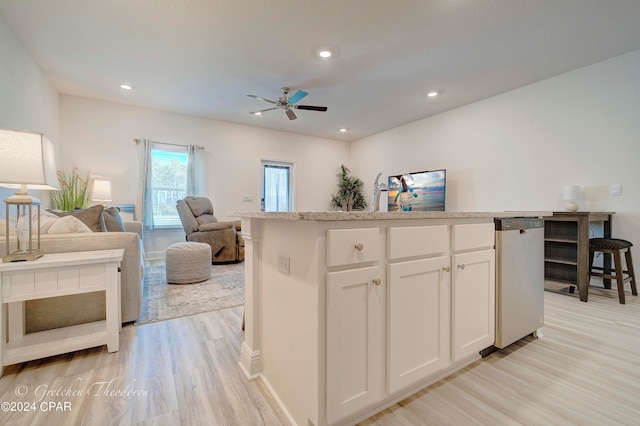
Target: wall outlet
[615,189]
[247,198]
[283,264]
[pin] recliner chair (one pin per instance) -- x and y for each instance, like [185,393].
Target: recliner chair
[200,225]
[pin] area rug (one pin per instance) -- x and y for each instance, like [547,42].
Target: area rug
[162,301]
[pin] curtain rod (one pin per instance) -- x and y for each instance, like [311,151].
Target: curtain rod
[200,147]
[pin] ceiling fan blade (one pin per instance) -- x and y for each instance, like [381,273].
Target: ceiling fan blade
[291,114]
[262,99]
[263,110]
[311,107]
[297,96]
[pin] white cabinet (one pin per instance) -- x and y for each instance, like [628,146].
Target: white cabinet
[434,307]
[473,302]
[473,236]
[418,320]
[355,340]
[352,246]
[417,241]
[472,289]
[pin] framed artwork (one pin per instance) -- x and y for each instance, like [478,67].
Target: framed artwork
[419,191]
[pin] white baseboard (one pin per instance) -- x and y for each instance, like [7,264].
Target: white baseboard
[250,362]
[277,399]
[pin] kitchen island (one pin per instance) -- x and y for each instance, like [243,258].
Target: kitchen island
[347,313]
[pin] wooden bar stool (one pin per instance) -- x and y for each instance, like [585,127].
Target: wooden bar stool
[614,247]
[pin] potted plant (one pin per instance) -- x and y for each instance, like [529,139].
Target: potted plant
[74,191]
[349,196]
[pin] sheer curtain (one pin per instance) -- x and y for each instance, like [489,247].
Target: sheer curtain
[194,174]
[276,188]
[144,204]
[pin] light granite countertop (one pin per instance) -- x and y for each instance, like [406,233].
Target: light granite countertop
[368,215]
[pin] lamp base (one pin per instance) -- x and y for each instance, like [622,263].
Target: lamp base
[22,256]
[571,206]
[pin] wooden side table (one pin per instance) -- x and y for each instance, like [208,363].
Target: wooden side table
[59,274]
[566,248]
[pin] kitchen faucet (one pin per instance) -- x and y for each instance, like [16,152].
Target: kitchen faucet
[377,188]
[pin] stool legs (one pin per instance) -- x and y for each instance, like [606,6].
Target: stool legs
[591,256]
[632,275]
[619,275]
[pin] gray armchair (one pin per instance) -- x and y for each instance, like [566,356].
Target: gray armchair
[201,226]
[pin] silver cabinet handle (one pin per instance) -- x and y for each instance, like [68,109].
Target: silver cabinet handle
[359,246]
[446,269]
[376,281]
[461,266]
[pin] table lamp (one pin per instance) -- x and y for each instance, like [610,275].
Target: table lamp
[27,161]
[571,194]
[101,191]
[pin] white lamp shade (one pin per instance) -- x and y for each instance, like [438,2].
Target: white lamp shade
[27,158]
[572,192]
[101,190]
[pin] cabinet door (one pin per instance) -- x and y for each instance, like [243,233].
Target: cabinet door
[355,347]
[418,319]
[473,293]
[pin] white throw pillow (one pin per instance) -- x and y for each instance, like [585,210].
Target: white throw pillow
[67,225]
[46,220]
[53,224]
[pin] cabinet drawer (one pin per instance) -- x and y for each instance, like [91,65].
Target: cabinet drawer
[351,246]
[473,236]
[414,241]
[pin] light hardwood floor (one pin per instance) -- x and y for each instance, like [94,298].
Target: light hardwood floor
[178,372]
[584,371]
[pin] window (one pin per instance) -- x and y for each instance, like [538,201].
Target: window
[277,186]
[168,183]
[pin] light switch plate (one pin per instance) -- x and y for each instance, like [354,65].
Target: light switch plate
[283,264]
[615,189]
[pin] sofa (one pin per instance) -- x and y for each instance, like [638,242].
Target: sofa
[44,314]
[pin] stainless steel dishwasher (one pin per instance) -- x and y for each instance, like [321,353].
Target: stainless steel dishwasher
[519,279]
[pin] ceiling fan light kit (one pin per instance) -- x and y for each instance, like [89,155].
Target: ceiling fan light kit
[287,104]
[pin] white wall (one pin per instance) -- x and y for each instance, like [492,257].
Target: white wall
[27,100]
[98,137]
[517,150]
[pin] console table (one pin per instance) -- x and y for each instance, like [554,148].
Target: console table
[566,248]
[58,274]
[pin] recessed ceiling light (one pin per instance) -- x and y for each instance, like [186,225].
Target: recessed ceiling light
[433,94]
[256,113]
[325,53]
[343,130]
[126,87]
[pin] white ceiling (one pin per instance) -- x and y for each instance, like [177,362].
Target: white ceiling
[202,57]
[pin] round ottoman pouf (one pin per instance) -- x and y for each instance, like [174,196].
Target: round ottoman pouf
[188,263]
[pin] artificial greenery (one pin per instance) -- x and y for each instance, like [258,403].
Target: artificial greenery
[74,191]
[350,195]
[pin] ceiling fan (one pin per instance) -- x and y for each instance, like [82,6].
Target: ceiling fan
[288,104]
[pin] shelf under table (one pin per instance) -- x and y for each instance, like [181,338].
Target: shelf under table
[56,341]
